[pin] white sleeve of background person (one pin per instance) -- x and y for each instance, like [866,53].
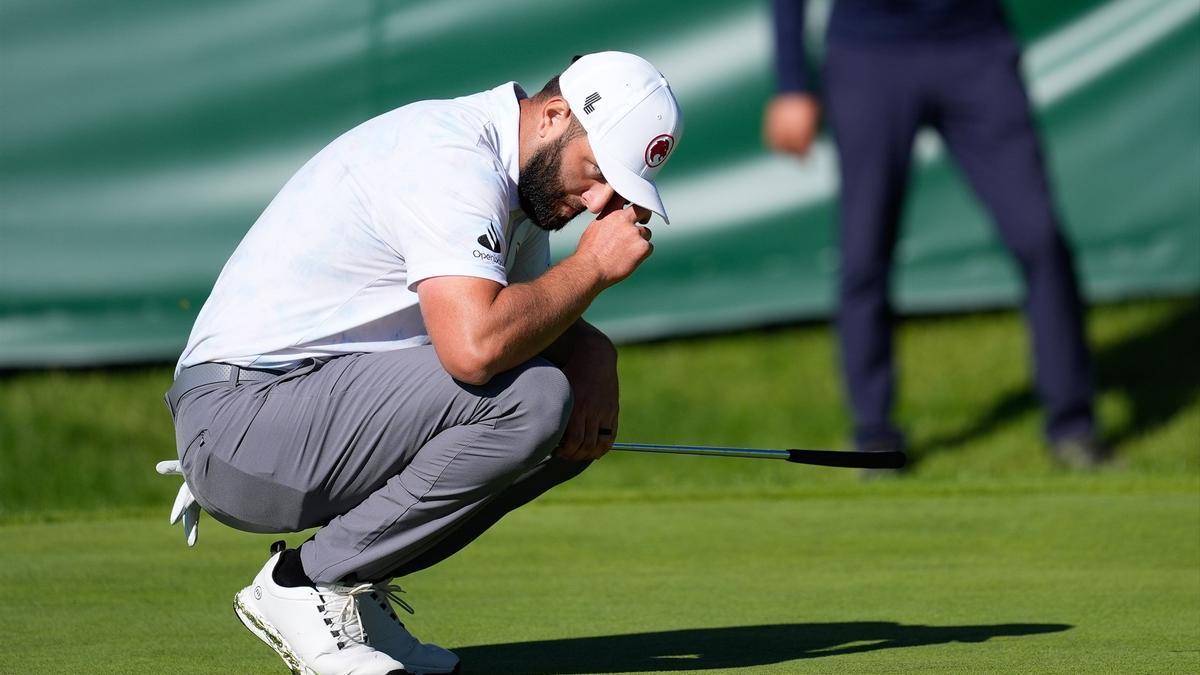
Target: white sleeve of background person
[424,190]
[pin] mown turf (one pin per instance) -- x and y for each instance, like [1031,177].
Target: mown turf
[1048,582]
[984,558]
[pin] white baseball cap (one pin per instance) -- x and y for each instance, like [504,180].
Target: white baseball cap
[632,119]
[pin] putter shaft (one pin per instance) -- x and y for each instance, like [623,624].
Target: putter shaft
[849,460]
[757,453]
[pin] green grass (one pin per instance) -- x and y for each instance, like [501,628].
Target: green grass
[985,557]
[1019,582]
[85,440]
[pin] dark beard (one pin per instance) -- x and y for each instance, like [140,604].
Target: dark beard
[540,190]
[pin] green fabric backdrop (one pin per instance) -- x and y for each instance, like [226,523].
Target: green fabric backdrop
[139,140]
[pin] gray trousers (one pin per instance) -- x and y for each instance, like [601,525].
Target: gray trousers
[399,464]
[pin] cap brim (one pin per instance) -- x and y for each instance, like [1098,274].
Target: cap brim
[630,185]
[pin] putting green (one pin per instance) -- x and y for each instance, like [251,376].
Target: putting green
[1051,578]
[984,558]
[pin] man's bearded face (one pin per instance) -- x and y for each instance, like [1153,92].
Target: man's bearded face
[540,187]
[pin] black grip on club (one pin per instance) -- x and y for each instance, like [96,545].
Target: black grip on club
[850,460]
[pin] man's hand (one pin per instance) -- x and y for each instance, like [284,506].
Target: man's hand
[791,122]
[480,327]
[616,241]
[592,371]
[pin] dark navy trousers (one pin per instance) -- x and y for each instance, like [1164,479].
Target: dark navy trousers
[878,96]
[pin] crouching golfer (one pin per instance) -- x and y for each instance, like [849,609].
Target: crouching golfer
[389,356]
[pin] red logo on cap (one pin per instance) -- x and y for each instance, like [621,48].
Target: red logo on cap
[659,148]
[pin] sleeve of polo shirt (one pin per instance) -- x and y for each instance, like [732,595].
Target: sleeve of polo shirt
[459,210]
[533,256]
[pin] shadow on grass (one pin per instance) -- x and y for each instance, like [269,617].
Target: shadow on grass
[1154,369]
[733,647]
[1157,370]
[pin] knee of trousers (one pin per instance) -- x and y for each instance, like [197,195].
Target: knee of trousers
[538,403]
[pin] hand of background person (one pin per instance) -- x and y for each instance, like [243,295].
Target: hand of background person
[617,240]
[790,123]
[592,371]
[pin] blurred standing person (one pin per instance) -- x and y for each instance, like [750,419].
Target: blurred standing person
[891,67]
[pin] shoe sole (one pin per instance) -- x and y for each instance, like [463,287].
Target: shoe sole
[265,632]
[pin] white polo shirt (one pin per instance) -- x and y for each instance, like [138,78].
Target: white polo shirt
[331,266]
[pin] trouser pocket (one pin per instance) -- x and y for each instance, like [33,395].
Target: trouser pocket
[254,503]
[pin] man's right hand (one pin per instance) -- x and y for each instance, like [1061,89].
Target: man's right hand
[790,123]
[616,241]
[480,327]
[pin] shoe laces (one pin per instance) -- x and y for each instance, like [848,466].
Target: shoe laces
[340,608]
[392,592]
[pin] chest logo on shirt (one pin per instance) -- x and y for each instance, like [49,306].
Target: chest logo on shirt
[491,241]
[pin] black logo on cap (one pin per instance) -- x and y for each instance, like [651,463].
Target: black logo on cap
[589,104]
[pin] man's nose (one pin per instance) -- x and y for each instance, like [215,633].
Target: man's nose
[597,196]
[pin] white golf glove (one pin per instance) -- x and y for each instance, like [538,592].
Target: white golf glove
[185,504]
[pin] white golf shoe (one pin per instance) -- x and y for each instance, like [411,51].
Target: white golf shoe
[315,630]
[386,633]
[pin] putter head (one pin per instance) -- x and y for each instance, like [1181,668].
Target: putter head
[893,459]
